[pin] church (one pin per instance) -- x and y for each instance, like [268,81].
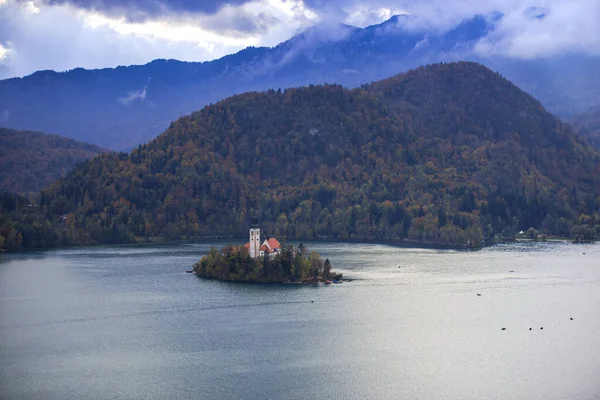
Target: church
[270,246]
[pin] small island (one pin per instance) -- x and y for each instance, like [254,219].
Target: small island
[270,262]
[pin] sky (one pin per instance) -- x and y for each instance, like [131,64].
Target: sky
[65,34]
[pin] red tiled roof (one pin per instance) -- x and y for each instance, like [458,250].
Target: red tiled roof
[274,243]
[270,245]
[266,249]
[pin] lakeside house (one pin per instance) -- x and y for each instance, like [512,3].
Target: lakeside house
[270,246]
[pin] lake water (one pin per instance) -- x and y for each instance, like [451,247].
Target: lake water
[129,323]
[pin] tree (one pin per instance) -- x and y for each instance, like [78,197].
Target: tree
[532,233]
[301,250]
[326,268]
[316,265]
[13,240]
[233,263]
[472,165]
[509,233]
[442,217]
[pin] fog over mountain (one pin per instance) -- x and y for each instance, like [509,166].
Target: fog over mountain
[123,107]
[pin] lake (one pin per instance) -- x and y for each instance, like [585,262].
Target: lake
[129,323]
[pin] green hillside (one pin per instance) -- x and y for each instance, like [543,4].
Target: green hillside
[30,161]
[447,154]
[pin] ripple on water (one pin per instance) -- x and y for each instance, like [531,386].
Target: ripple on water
[128,322]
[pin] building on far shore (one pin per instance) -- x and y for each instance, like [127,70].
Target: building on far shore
[270,246]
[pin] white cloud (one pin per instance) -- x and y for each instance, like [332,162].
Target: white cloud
[171,31]
[362,16]
[568,25]
[35,35]
[135,95]
[30,7]
[3,52]
[62,37]
[564,27]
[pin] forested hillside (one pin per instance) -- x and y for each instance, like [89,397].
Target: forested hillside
[588,126]
[448,154]
[31,160]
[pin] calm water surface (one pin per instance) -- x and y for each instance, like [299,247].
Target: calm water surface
[129,323]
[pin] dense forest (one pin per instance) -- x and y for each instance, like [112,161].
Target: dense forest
[588,126]
[29,161]
[448,154]
[233,263]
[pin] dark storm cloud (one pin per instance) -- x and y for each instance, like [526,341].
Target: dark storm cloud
[238,23]
[139,10]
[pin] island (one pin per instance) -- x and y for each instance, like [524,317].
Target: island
[269,262]
[290,265]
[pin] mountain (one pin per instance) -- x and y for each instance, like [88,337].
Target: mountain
[122,107]
[448,154]
[588,126]
[31,160]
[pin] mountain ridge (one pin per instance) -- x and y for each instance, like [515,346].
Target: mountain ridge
[472,157]
[143,100]
[29,161]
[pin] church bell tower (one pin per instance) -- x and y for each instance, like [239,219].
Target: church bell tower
[254,239]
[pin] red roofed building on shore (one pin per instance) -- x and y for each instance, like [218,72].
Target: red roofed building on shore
[270,246]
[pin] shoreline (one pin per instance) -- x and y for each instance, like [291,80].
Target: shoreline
[300,283]
[409,244]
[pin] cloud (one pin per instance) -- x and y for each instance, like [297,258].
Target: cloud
[37,35]
[64,34]
[141,10]
[135,95]
[362,16]
[563,28]
[61,38]
[527,29]
[302,44]
[3,52]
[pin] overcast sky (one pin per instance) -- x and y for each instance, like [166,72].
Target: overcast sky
[65,34]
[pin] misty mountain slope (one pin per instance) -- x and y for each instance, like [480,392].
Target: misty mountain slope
[123,107]
[31,160]
[446,154]
[588,126]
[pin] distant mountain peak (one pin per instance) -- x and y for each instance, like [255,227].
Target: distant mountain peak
[324,32]
[110,107]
